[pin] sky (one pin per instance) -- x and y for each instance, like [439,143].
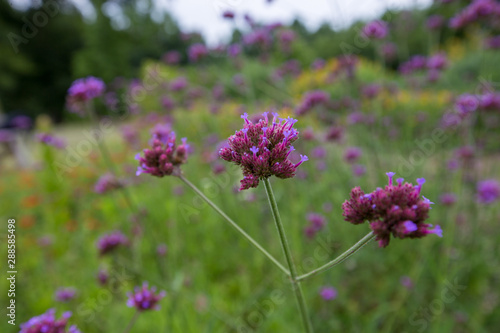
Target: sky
[205,15]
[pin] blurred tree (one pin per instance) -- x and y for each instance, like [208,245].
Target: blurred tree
[36,56]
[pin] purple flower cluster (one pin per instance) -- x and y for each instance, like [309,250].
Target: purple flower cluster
[47,323]
[262,149]
[51,140]
[290,67]
[316,223]
[352,154]
[370,91]
[493,42]
[83,91]
[419,62]
[234,50]
[347,64]
[466,104]
[109,242]
[259,37]
[328,293]
[435,22]
[375,30]
[172,57]
[389,50]
[65,294]
[488,191]
[165,157]
[106,183]
[396,209]
[197,52]
[312,99]
[145,298]
[476,10]
[179,84]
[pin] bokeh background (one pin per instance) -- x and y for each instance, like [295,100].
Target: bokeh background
[419,96]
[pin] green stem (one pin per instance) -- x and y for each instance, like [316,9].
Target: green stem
[132,322]
[288,255]
[103,148]
[234,225]
[365,240]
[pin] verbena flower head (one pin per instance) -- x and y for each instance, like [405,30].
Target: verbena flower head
[406,282]
[106,183]
[65,294]
[466,104]
[328,293]
[197,52]
[352,154]
[375,30]
[103,276]
[262,149]
[109,242]
[47,323]
[397,209]
[448,199]
[83,91]
[172,57]
[488,191]
[316,223]
[435,22]
[145,298]
[312,99]
[51,140]
[165,156]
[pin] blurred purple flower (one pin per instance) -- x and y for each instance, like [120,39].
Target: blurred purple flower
[111,241]
[358,170]
[178,84]
[197,52]
[447,199]
[82,91]
[107,183]
[312,99]
[488,191]
[466,104]
[352,154]
[51,140]
[65,294]
[161,250]
[406,282]
[234,50]
[47,323]
[145,298]
[435,22]
[172,57]
[375,30]
[328,293]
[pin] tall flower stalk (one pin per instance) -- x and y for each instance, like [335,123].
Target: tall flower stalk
[299,295]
